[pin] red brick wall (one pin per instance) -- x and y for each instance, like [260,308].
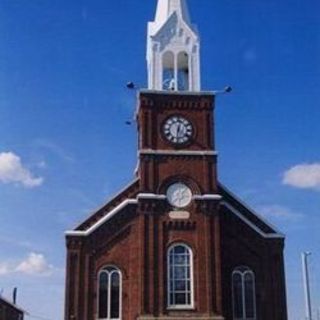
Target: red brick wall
[136,240]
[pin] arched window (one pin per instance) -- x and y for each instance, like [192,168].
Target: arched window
[109,294]
[168,71]
[180,277]
[243,291]
[183,71]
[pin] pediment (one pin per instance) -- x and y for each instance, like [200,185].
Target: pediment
[114,205]
[247,215]
[174,31]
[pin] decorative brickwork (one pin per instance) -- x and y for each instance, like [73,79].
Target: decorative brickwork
[138,226]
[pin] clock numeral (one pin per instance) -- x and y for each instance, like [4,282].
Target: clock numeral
[177,130]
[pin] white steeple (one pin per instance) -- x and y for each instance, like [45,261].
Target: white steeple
[166,8]
[173,52]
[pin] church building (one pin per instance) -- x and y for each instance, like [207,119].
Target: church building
[175,243]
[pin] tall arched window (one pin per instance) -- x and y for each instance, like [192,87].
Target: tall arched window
[168,71]
[243,291]
[183,71]
[180,277]
[109,294]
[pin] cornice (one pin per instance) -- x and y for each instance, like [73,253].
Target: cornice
[125,203]
[198,153]
[177,93]
[274,235]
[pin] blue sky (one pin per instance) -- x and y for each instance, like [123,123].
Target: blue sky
[64,147]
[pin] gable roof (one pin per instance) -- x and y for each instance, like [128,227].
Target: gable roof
[128,192]
[130,195]
[247,214]
[12,305]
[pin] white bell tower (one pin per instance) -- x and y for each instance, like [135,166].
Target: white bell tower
[173,50]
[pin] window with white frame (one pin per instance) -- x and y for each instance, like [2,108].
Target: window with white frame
[243,291]
[180,277]
[109,294]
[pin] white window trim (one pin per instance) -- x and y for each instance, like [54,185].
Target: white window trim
[103,270]
[242,274]
[186,306]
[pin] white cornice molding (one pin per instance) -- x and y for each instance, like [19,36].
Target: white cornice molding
[5,300]
[270,225]
[207,197]
[113,197]
[122,205]
[177,152]
[100,222]
[274,235]
[176,93]
[151,196]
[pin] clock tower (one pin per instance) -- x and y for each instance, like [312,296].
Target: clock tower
[175,243]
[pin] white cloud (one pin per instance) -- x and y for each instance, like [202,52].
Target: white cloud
[42,165]
[12,171]
[4,269]
[279,212]
[35,264]
[303,176]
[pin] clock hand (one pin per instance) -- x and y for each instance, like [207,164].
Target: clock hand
[178,197]
[175,130]
[179,130]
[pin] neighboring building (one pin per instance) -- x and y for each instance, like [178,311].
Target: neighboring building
[176,243]
[10,311]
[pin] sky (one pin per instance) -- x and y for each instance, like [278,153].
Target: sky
[65,148]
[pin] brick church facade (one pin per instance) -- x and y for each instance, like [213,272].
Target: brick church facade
[176,243]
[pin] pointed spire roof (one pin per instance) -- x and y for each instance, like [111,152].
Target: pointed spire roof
[172,37]
[166,8]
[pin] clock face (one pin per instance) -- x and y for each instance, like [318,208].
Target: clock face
[177,130]
[179,195]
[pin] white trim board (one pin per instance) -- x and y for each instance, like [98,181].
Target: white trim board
[13,305]
[207,197]
[251,225]
[271,226]
[152,196]
[118,193]
[177,93]
[107,217]
[123,204]
[177,152]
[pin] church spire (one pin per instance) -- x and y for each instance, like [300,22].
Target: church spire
[173,52]
[166,7]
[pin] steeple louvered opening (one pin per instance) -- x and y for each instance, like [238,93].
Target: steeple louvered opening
[173,53]
[168,71]
[183,71]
